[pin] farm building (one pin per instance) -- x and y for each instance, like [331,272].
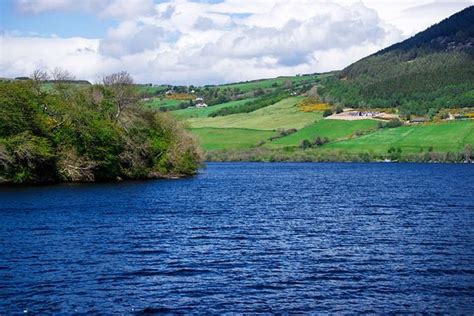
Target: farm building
[200,103]
[417,120]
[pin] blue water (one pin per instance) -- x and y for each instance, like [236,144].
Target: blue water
[245,237]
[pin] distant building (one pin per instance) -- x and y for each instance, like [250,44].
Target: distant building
[200,103]
[418,120]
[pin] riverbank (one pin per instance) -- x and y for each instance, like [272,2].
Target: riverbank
[318,155]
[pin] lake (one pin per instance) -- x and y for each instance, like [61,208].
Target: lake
[245,237]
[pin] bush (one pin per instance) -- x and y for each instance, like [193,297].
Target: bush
[390,124]
[327,112]
[304,144]
[79,135]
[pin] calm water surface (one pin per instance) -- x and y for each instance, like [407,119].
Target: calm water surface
[245,237]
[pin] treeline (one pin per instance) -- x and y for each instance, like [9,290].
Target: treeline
[88,134]
[262,154]
[251,106]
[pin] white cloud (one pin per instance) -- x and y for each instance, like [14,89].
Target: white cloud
[197,43]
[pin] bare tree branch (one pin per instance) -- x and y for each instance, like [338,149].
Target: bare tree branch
[39,75]
[61,75]
[121,85]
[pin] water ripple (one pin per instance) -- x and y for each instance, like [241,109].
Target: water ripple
[245,238]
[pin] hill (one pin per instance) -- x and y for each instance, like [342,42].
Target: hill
[432,70]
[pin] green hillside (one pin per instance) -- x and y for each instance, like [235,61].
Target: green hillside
[332,129]
[158,103]
[427,78]
[441,137]
[284,114]
[230,138]
[432,70]
[270,83]
[194,112]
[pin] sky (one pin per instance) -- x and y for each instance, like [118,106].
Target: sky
[207,41]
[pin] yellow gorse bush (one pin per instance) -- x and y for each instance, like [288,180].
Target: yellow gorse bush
[181,96]
[312,105]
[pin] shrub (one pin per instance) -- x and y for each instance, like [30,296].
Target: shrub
[304,144]
[390,124]
[327,112]
[76,135]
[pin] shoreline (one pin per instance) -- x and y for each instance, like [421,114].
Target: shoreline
[315,155]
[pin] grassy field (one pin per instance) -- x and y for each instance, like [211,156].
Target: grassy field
[332,129]
[443,137]
[229,138]
[268,83]
[158,102]
[205,112]
[284,114]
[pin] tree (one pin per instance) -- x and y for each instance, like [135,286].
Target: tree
[38,76]
[318,141]
[395,153]
[61,75]
[288,84]
[467,152]
[305,144]
[121,86]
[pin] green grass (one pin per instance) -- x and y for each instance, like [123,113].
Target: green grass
[449,136]
[158,103]
[332,129]
[283,114]
[268,83]
[205,112]
[229,138]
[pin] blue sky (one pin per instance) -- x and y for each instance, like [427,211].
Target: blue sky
[60,23]
[200,42]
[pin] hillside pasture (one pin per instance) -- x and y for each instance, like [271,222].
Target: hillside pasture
[229,138]
[194,112]
[162,103]
[332,129]
[284,114]
[269,83]
[442,137]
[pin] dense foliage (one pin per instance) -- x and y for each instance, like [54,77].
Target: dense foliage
[308,154]
[92,133]
[430,71]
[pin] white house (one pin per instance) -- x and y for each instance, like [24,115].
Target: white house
[200,103]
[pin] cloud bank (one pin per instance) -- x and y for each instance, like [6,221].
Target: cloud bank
[186,42]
